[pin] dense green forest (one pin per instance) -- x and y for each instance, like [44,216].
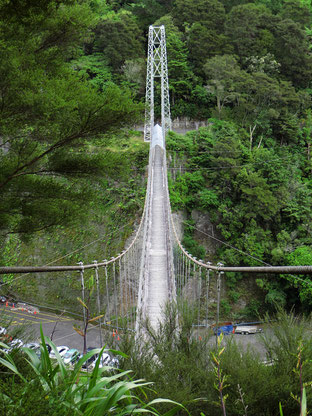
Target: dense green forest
[73,81]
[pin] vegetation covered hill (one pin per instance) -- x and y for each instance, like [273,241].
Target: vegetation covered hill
[73,74]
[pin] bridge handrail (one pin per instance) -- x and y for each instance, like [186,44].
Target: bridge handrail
[249,269]
[37,269]
[143,289]
[79,267]
[171,278]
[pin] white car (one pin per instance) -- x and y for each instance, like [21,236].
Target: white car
[15,343]
[3,331]
[34,346]
[62,350]
[105,360]
[247,329]
[114,362]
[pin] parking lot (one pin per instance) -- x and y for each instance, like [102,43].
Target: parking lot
[60,326]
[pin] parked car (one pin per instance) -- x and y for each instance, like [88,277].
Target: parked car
[114,362]
[71,356]
[88,364]
[34,346]
[3,330]
[247,329]
[14,344]
[62,350]
[225,329]
[105,360]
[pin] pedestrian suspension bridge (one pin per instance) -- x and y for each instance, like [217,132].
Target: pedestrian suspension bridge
[135,286]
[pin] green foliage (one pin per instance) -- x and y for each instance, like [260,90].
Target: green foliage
[64,391]
[252,310]
[10,255]
[193,247]
[220,383]
[255,195]
[225,308]
[114,47]
[199,36]
[223,74]
[187,367]
[249,29]
[298,11]
[296,64]
[299,257]
[208,199]
[50,115]
[110,217]
[95,68]
[210,12]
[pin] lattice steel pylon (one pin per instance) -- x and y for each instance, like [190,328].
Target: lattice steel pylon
[156,68]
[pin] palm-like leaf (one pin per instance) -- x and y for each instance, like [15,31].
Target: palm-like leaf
[92,394]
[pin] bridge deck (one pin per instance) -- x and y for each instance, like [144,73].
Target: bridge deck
[158,262]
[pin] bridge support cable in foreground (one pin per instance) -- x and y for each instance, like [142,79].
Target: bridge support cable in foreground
[109,287]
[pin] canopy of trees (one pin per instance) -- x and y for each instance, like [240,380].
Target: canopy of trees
[51,113]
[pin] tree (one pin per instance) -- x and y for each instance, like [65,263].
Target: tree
[118,38]
[49,116]
[262,101]
[249,28]
[88,318]
[291,50]
[223,74]
[94,68]
[134,71]
[208,12]
[147,11]
[266,64]
[301,256]
[274,5]
[306,133]
[297,11]
[179,72]
[204,43]
[229,4]
[256,194]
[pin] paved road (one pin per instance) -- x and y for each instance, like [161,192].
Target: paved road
[64,334]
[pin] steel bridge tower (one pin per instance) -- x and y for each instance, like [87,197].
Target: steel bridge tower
[156,68]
